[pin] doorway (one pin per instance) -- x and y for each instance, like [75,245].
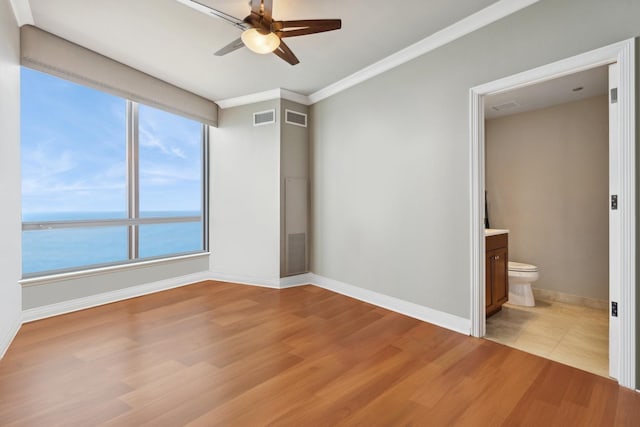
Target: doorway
[547,182]
[621,185]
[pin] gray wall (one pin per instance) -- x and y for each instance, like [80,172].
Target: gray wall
[10,260]
[638,223]
[547,177]
[294,163]
[391,155]
[65,290]
[38,295]
[249,165]
[245,194]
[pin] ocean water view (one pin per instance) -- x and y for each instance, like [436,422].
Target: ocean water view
[47,250]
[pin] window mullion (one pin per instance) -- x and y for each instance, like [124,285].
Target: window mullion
[205,187]
[133,193]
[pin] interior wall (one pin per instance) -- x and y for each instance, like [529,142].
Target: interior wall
[294,163]
[547,181]
[391,182]
[637,53]
[10,216]
[245,194]
[73,288]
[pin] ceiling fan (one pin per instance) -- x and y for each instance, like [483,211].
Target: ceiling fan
[262,34]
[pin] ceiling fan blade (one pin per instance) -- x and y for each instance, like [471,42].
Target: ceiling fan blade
[201,7]
[234,45]
[285,53]
[304,27]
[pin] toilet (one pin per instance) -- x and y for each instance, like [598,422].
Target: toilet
[521,276]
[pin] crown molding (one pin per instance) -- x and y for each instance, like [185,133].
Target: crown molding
[264,96]
[455,31]
[22,12]
[488,15]
[249,99]
[295,97]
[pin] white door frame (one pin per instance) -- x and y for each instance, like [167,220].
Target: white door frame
[622,53]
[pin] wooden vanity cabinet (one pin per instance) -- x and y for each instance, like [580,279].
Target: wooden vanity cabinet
[497,273]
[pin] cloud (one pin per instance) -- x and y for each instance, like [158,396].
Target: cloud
[179,152]
[148,138]
[46,164]
[56,180]
[167,175]
[35,187]
[96,194]
[73,149]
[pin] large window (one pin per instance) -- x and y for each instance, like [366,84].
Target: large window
[106,180]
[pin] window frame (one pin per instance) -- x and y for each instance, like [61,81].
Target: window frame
[134,220]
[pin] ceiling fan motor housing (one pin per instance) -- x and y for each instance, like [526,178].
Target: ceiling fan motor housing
[261,20]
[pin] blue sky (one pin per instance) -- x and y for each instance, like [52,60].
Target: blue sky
[74,154]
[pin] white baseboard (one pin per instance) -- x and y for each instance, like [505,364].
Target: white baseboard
[298,280]
[7,339]
[420,312]
[549,295]
[439,318]
[245,280]
[77,304]
[277,283]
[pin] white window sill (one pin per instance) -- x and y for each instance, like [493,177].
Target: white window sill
[41,280]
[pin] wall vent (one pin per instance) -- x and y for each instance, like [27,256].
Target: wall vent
[295,118]
[505,106]
[296,253]
[264,117]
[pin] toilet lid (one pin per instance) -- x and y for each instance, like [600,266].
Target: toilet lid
[520,266]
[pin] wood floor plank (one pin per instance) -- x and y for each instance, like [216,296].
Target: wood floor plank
[217,353]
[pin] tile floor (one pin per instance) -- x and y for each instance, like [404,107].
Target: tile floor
[570,334]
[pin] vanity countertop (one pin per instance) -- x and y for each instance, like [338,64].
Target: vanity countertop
[494,231]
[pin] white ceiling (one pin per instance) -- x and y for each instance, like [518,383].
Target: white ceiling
[552,92]
[175,43]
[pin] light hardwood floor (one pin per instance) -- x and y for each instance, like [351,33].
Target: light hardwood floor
[574,335]
[222,354]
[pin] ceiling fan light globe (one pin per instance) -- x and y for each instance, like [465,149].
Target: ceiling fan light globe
[260,43]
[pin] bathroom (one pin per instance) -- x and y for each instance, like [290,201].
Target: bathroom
[547,183]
